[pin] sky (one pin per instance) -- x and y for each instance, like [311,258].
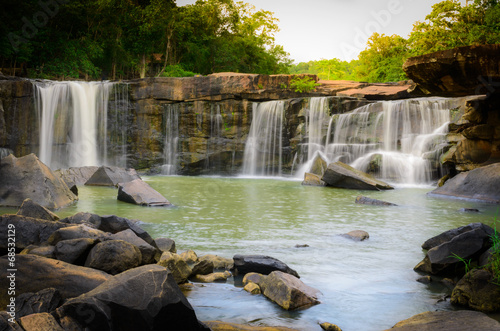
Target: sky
[326,29]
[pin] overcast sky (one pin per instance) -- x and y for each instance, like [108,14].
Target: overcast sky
[325,29]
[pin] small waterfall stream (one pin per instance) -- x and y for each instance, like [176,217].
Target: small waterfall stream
[171,139]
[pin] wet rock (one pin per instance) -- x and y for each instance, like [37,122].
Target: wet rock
[177,266]
[469,245]
[330,327]
[288,291]
[357,235]
[462,320]
[41,321]
[114,256]
[301,246]
[212,278]
[45,251]
[260,264]
[318,166]
[73,251]
[148,252]
[189,256]
[27,177]
[252,288]
[218,261]
[203,267]
[252,277]
[369,201]
[28,231]
[34,210]
[89,219]
[225,326]
[341,175]
[450,234]
[166,245]
[476,290]
[35,273]
[140,193]
[112,176]
[115,224]
[143,298]
[77,232]
[312,180]
[479,184]
[425,280]
[469,210]
[77,175]
[44,301]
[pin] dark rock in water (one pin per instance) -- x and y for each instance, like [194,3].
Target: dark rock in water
[77,232]
[479,184]
[260,264]
[114,256]
[73,251]
[312,180]
[450,234]
[469,210]
[77,175]
[368,201]
[462,320]
[148,252]
[477,290]
[89,219]
[32,209]
[357,235]
[140,193]
[35,273]
[111,176]
[144,298]
[341,175]
[40,321]
[425,280]
[28,230]
[301,245]
[115,224]
[27,177]
[330,327]
[288,291]
[446,258]
[44,301]
[166,245]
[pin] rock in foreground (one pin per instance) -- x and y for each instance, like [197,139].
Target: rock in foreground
[341,175]
[479,184]
[27,177]
[477,290]
[462,320]
[140,193]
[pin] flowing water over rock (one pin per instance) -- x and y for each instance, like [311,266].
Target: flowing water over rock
[74,125]
[171,139]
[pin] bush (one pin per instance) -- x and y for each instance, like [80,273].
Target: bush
[176,70]
[304,84]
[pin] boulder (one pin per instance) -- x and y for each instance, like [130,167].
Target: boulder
[28,231]
[329,327]
[189,256]
[114,224]
[44,301]
[35,273]
[114,256]
[312,180]
[461,320]
[260,264]
[77,232]
[41,321]
[218,261]
[477,290]
[318,166]
[148,252]
[203,267]
[73,251]
[177,266]
[252,288]
[77,175]
[446,258]
[143,298]
[369,201]
[89,219]
[252,277]
[7,324]
[166,245]
[34,210]
[45,251]
[226,326]
[357,235]
[339,174]
[140,193]
[450,234]
[481,184]
[112,176]
[212,278]
[27,177]
[288,291]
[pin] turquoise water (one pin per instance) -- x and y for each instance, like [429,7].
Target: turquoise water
[366,285]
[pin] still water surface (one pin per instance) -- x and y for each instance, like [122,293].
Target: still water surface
[366,285]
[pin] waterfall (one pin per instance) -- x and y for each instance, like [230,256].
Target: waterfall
[73,122]
[263,149]
[318,114]
[171,139]
[214,142]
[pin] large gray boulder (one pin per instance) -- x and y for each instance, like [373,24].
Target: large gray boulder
[77,175]
[148,252]
[450,234]
[144,298]
[27,177]
[115,224]
[77,232]
[339,174]
[140,193]
[73,251]
[89,219]
[114,256]
[479,184]
[111,176]
[32,209]
[35,273]
[462,320]
[260,264]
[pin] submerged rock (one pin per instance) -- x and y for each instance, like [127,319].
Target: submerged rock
[462,320]
[357,235]
[312,180]
[140,193]
[260,264]
[27,177]
[111,176]
[477,290]
[369,201]
[341,175]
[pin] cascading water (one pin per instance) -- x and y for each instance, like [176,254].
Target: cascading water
[214,142]
[263,149]
[73,122]
[171,139]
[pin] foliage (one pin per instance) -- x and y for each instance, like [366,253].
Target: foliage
[176,70]
[494,264]
[303,84]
